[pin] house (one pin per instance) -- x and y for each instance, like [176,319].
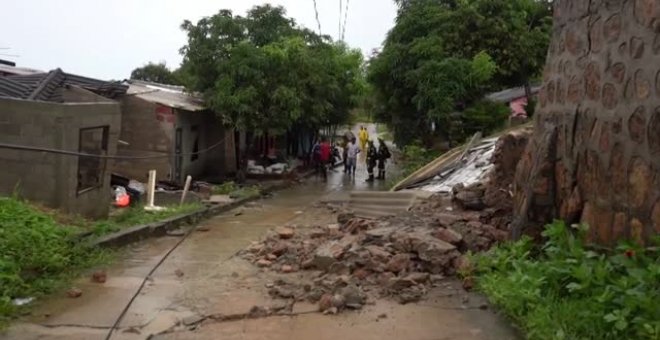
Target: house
[58,111]
[515,98]
[176,130]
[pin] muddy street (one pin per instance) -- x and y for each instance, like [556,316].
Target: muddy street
[204,291]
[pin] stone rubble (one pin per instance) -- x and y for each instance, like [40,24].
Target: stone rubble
[399,257]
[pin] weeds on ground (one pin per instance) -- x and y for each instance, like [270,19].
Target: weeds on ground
[37,255]
[564,290]
[137,215]
[236,191]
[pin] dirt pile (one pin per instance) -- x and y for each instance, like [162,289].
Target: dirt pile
[349,263]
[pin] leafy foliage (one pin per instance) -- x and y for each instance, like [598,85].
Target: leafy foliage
[566,291]
[484,116]
[36,254]
[262,72]
[442,56]
[412,158]
[157,73]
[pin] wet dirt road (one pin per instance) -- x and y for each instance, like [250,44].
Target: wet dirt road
[203,279]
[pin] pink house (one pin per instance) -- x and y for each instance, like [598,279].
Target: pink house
[515,98]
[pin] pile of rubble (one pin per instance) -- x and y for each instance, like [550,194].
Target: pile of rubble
[400,256]
[359,259]
[493,196]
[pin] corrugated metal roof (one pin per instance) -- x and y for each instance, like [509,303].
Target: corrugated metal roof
[168,95]
[509,95]
[46,86]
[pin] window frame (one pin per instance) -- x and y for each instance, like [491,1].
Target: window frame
[105,130]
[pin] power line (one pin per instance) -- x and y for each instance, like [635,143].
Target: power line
[318,22]
[83,154]
[343,32]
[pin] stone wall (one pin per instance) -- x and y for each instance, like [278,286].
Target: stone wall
[49,178]
[595,157]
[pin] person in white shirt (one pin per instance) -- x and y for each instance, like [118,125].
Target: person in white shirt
[351,156]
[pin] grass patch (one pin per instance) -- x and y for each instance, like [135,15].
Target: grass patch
[564,290]
[137,215]
[236,191]
[37,255]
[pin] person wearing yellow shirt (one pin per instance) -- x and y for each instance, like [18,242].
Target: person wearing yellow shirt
[364,137]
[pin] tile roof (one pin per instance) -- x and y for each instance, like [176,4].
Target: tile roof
[13,70]
[46,86]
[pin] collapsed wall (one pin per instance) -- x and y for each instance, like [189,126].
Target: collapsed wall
[595,155]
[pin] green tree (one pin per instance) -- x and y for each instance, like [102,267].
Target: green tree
[262,72]
[443,55]
[157,73]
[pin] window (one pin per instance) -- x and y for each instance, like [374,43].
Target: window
[91,169]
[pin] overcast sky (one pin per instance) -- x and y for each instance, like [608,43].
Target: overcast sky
[107,39]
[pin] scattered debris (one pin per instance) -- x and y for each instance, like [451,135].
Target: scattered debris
[178,273]
[176,232]
[99,276]
[203,228]
[264,263]
[399,257]
[132,330]
[402,256]
[74,292]
[285,232]
[22,301]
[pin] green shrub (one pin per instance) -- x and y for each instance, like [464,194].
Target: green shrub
[485,116]
[412,157]
[36,254]
[566,291]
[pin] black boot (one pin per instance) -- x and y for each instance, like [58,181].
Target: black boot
[371,178]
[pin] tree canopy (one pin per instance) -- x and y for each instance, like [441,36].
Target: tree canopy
[157,73]
[443,55]
[263,72]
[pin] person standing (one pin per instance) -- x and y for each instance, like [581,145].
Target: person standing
[383,155]
[364,137]
[325,152]
[372,158]
[352,151]
[344,155]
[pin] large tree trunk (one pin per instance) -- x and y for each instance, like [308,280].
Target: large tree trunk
[595,155]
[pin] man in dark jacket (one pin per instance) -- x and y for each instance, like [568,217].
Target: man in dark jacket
[372,159]
[383,155]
